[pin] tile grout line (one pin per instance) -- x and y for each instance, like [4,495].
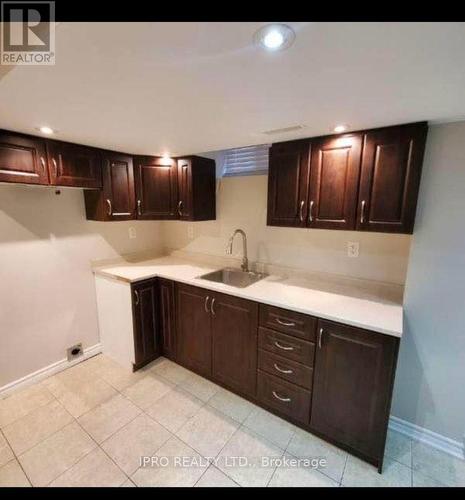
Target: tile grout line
[15,458]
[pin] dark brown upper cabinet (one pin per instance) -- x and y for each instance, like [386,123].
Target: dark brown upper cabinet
[117,200]
[352,386]
[73,165]
[196,189]
[288,183]
[391,169]
[366,181]
[334,176]
[156,188]
[23,159]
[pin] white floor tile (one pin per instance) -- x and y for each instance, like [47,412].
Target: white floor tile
[19,404]
[6,454]
[200,387]
[148,390]
[258,455]
[106,419]
[36,426]
[293,473]
[214,478]
[271,427]
[419,480]
[94,470]
[306,445]
[208,431]
[399,447]
[184,466]
[56,454]
[141,437]
[360,474]
[175,408]
[171,371]
[438,465]
[11,475]
[232,405]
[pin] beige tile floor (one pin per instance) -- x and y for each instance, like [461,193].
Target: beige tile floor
[89,426]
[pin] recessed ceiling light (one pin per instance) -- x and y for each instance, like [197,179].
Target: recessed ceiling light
[340,128]
[274,37]
[46,130]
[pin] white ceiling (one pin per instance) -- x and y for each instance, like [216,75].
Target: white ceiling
[191,87]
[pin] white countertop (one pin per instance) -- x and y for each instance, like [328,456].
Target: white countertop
[341,304]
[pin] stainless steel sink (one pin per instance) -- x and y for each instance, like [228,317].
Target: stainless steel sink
[233,277]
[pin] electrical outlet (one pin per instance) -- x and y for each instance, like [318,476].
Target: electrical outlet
[190,231]
[353,249]
[74,352]
[132,233]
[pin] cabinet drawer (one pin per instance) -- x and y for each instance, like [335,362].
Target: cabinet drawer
[284,397]
[285,369]
[287,346]
[292,323]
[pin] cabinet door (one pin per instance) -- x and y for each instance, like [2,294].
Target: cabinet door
[146,338]
[352,386]
[235,323]
[156,188]
[390,178]
[118,187]
[288,184]
[193,328]
[74,166]
[334,175]
[185,189]
[167,318]
[23,159]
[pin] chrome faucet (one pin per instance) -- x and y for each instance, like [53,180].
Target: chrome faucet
[245,261]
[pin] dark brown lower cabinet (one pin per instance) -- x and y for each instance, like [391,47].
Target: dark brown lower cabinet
[353,377]
[146,336]
[338,387]
[234,328]
[193,325]
[167,317]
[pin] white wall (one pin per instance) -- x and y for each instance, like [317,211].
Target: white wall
[241,203]
[429,389]
[47,292]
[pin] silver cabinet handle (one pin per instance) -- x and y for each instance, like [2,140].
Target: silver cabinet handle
[284,323]
[283,347]
[211,306]
[55,166]
[136,293]
[284,400]
[139,207]
[287,372]
[110,210]
[301,211]
[362,212]
[320,335]
[180,208]
[42,161]
[310,213]
[206,304]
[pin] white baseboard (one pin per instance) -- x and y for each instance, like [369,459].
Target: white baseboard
[438,441]
[49,370]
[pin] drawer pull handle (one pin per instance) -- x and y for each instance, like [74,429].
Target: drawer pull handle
[212,308]
[320,335]
[206,304]
[283,347]
[301,211]
[284,400]
[136,293]
[287,372]
[110,209]
[284,323]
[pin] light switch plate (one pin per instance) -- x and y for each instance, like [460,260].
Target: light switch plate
[132,233]
[353,249]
